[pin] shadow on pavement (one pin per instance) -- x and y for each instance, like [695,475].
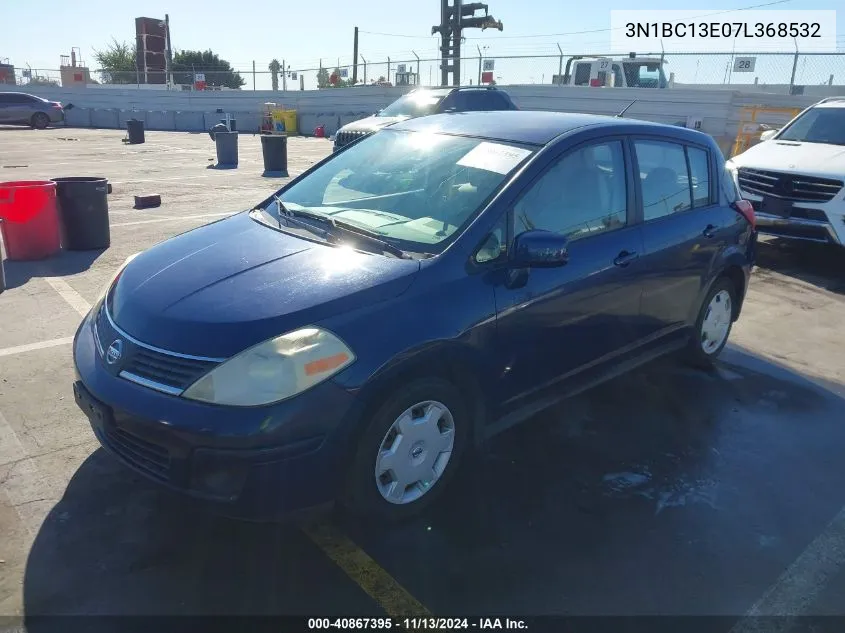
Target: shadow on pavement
[822,265]
[61,264]
[668,490]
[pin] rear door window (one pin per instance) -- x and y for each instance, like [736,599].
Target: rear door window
[664,178]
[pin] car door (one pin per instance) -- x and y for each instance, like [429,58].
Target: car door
[682,228]
[5,107]
[553,322]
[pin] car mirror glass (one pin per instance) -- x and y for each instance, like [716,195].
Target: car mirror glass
[540,249]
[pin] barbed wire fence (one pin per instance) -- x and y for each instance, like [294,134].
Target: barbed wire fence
[684,69]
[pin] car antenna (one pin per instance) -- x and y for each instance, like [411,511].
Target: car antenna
[619,116]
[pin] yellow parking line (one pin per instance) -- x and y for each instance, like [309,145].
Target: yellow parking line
[366,572]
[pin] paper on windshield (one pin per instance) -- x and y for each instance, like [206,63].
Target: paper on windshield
[494,157]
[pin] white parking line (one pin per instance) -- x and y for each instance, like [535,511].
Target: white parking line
[173,219]
[799,586]
[73,298]
[30,347]
[11,451]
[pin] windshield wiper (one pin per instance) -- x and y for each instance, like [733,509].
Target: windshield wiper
[371,237]
[360,233]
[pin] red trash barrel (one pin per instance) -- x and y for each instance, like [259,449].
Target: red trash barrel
[30,220]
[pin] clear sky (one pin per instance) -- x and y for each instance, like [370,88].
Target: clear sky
[303,33]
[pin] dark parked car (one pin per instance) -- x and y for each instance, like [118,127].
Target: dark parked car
[18,108]
[352,336]
[424,102]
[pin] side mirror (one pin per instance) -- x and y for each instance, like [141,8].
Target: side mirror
[539,249]
[765,136]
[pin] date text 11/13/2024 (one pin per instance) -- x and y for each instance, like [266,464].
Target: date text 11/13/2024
[417,624]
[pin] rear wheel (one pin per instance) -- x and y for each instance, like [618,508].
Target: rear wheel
[40,121]
[409,451]
[713,326]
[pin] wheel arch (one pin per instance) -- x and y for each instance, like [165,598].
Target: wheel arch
[458,363]
[732,267]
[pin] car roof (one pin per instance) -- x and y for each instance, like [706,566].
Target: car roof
[515,126]
[25,94]
[445,91]
[831,102]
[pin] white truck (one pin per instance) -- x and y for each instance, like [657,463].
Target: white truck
[613,72]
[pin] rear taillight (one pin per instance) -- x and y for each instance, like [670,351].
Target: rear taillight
[746,209]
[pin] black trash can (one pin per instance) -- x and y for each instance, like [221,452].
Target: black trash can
[135,129]
[227,149]
[83,212]
[274,147]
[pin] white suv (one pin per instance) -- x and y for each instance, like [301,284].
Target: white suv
[795,178]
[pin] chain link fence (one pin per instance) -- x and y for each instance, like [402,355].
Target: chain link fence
[738,70]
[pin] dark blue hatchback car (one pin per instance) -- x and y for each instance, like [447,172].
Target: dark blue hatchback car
[351,337]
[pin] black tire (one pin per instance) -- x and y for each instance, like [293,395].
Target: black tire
[40,121]
[361,496]
[695,353]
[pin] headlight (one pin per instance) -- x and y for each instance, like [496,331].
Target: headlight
[111,280]
[274,370]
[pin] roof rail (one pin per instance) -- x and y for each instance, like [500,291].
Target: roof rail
[829,99]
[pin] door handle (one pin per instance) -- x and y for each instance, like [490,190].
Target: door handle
[709,231]
[624,258]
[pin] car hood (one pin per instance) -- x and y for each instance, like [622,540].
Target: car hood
[221,288]
[372,123]
[811,159]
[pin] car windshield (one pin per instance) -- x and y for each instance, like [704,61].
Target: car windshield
[819,125]
[412,189]
[413,105]
[644,75]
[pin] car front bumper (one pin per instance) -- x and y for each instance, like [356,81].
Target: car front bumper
[257,462]
[807,221]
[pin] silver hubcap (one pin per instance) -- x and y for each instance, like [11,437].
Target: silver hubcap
[717,322]
[414,452]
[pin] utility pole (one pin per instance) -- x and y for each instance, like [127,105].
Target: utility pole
[479,63]
[365,68]
[168,57]
[284,76]
[355,58]
[253,75]
[454,19]
[418,66]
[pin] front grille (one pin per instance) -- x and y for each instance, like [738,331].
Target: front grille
[788,186]
[173,371]
[168,369]
[799,212]
[344,138]
[149,457]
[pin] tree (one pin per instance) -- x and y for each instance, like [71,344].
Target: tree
[218,72]
[117,63]
[42,81]
[323,78]
[274,68]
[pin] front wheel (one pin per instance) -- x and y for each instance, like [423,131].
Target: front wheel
[713,325]
[409,451]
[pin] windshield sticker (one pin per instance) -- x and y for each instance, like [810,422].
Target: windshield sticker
[494,157]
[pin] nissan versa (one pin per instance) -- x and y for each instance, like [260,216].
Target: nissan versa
[352,336]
